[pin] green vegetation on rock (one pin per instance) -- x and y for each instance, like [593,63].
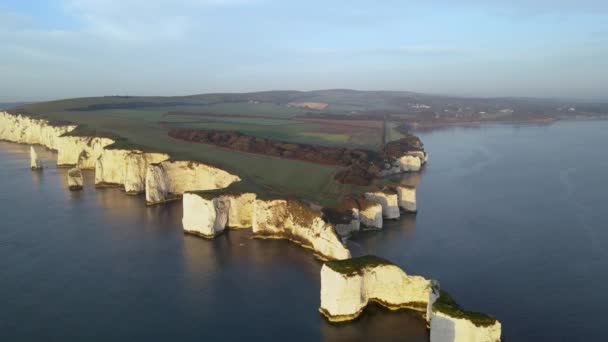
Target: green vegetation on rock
[356,265]
[448,306]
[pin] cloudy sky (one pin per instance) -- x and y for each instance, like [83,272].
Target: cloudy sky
[68,48]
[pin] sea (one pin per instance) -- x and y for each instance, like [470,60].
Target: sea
[512,221]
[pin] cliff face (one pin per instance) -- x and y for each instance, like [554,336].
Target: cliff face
[370,214]
[293,220]
[445,328]
[409,163]
[204,217]
[126,168]
[168,180]
[345,229]
[388,200]
[71,150]
[450,323]
[240,213]
[347,286]
[25,130]
[129,168]
[407,198]
[208,216]
[80,151]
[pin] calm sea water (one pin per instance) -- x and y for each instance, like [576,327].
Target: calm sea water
[513,221]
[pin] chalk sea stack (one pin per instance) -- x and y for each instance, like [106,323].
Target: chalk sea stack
[75,179]
[35,163]
[450,323]
[348,286]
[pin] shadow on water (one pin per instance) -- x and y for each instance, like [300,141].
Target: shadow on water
[379,324]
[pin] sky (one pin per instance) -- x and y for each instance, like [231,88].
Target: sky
[52,49]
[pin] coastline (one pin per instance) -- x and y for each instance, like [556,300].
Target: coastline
[422,128]
[294,220]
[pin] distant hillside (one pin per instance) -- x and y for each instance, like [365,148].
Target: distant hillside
[8,105]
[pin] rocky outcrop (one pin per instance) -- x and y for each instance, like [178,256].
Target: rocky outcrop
[240,212]
[293,220]
[71,150]
[347,286]
[26,130]
[168,180]
[75,179]
[422,155]
[125,168]
[406,196]
[370,213]
[409,163]
[450,323]
[345,222]
[355,213]
[207,215]
[388,200]
[82,152]
[35,163]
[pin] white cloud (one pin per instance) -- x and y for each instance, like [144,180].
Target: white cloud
[141,20]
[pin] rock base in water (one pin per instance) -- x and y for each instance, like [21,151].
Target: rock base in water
[388,199]
[406,196]
[208,214]
[75,179]
[35,163]
[450,323]
[347,286]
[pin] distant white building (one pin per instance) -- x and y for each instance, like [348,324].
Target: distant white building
[419,106]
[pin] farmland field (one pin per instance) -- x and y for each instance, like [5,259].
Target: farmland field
[332,118]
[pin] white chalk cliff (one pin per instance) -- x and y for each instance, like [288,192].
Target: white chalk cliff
[168,180]
[291,219]
[406,196]
[353,224]
[35,163]
[125,168]
[121,167]
[449,323]
[26,130]
[388,200]
[423,156]
[75,179]
[82,152]
[71,150]
[409,163]
[347,286]
[208,215]
[370,214]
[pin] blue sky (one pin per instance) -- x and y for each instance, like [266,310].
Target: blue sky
[68,48]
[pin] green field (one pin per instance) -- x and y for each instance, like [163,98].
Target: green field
[142,122]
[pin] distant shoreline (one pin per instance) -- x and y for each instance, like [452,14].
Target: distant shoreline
[476,124]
